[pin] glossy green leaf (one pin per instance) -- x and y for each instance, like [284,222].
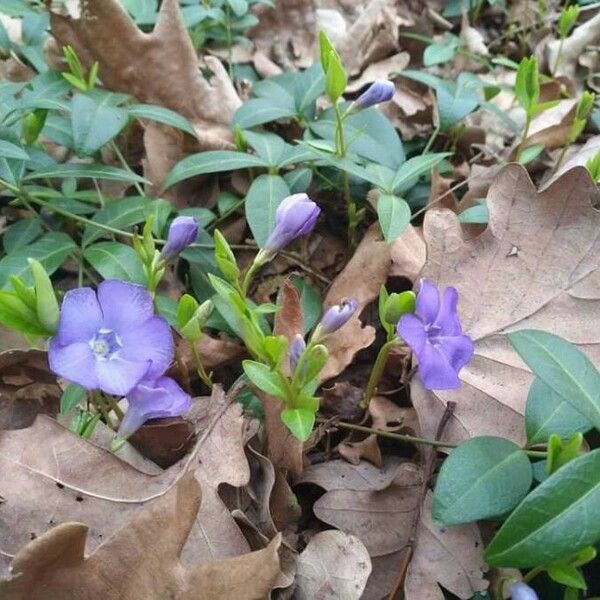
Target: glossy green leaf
[546,412]
[160,114]
[268,146]
[559,517]
[258,111]
[530,153]
[478,214]
[46,303]
[567,575]
[10,150]
[484,477]
[215,161]
[72,396]
[263,198]
[394,216]
[21,233]
[115,261]
[299,421]
[441,51]
[563,367]
[311,302]
[264,379]
[89,171]
[413,168]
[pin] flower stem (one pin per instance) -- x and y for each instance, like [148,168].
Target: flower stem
[558,55]
[524,138]
[432,139]
[204,376]
[532,574]
[377,371]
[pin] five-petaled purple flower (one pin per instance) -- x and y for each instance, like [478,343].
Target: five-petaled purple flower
[110,339]
[521,591]
[379,91]
[337,316]
[295,216]
[153,399]
[182,233]
[435,335]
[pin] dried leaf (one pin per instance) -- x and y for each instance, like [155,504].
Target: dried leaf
[27,388]
[451,557]
[509,279]
[408,254]
[367,449]
[333,565]
[54,565]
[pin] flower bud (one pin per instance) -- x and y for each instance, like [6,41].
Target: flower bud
[182,233]
[337,316]
[380,91]
[295,216]
[397,305]
[521,591]
[295,351]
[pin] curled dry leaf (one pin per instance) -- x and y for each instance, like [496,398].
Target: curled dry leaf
[509,279]
[153,67]
[578,157]
[367,449]
[333,565]
[408,254]
[552,127]
[27,388]
[54,565]
[450,557]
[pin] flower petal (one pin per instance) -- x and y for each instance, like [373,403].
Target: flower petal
[153,341]
[411,329]
[435,371]
[75,362]
[118,376]
[458,350]
[80,316]
[447,317]
[124,305]
[428,301]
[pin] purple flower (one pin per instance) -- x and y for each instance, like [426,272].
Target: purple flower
[153,399]
[379,91]
[521,591]
[295,216]
[110,340]
[338,315]
[297,347]
[435,335]
[182,233]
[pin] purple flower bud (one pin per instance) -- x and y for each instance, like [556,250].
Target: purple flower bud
[295,216]
[295,351]
[182,233]
[381,90]
[153,399]
[521,591]
[338,315]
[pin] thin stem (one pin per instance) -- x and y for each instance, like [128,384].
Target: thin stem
[126,166]
[99,404]
[250,273]
[561,157]
[524,138]
[204,376]
[558,55]
[431,139]
[532,574]
[377,371]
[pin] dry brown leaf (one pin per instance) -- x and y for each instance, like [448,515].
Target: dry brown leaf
[27,388]
[552,127]
[54,565]
[451,557]
[380,70]
[367,449]
[381,519]
[408,254]
[578,157]
[535,266]
[158,68]
[333,565]
[362,278]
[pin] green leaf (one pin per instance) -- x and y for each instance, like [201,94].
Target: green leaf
[46,303]
[394,216]
[530,153]
[215,161]
[94,123]
[264,379]
[268,146]
[335,74]
[454,104]
[160,114]
[259,111]
[308,86]
[442,51]
[527,85]
[311,302]
[16,315]
[21,233]
[475,214]
[484,477]
[546,412]
[239,7]
[10,150]
[264,196]
[120,214]
[94,171]
[71,397]
[413,168]
[167,308]
[115,261]
[563,367]
[559,517]
[567,575]
[298,180]
[299,421]
[51,250]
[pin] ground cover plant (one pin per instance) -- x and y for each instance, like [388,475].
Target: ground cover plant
[299,299]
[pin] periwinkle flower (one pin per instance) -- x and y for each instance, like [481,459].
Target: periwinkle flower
[521,591]
[337,316]
[110,339]
[297,347]
[295,216]
[379,91]
[435,335]
[182,232]
[153,399]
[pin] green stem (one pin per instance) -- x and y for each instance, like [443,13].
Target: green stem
[377,371]
[99,404]
[524,138]
[532,574]
[432,139]
[204,376]
[126,166]
[250,273]
[561,157]
[557,61]
[114,406]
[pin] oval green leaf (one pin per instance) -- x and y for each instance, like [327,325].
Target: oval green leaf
[394,216]
[115,261]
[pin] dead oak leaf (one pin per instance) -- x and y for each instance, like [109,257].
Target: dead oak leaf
[451,557]
[535,266]
[141,560]
[333,565]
